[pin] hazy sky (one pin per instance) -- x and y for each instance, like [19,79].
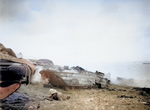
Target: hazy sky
[77,32]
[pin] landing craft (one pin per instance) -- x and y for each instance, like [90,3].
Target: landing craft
[73,77]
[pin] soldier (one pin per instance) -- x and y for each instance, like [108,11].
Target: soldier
[13,71]
[54,94]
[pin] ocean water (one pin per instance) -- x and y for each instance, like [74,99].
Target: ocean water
[135,69]
[139,71]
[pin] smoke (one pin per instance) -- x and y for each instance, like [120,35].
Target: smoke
[37,76]
[136,73]
[131,82]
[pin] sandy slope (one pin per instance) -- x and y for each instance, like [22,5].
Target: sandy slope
[112,98]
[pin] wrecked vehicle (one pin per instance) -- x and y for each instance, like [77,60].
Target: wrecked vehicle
[70,77]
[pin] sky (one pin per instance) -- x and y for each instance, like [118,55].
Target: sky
[77,32]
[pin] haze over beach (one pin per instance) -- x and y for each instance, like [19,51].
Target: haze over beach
[110,36]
